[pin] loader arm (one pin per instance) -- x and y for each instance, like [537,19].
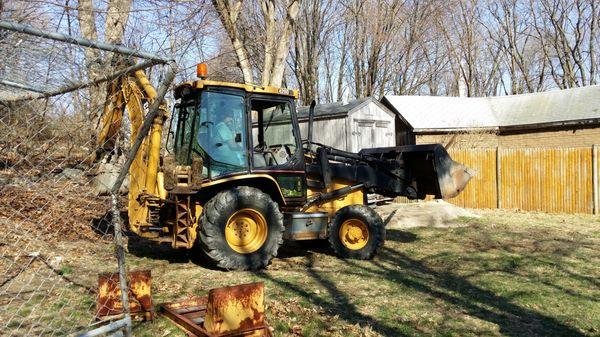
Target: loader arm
[413,171]
[134,93]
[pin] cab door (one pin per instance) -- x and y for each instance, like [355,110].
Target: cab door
[276,146]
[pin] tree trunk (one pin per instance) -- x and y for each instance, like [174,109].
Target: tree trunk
[228,14]
[268,9]
[283,47]
[87,26]
[116,20]
[97,65]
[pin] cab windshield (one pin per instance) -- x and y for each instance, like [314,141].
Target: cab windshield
[216,131]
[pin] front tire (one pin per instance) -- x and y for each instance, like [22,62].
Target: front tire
[241,228]
[356,232]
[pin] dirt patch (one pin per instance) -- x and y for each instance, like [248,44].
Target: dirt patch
[437,213]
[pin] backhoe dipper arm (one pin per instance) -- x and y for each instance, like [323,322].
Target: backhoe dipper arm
[135,93]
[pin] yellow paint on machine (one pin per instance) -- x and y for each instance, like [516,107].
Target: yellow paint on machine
[199,84]
[143,173]
[331,207]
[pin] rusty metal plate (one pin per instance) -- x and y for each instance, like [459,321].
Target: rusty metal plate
[235,309]
[228,311]
[108,301]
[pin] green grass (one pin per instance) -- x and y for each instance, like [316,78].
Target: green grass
[505,273]
[66,270]
[513,274]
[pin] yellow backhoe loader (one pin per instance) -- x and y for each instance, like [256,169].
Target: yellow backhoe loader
[241,179]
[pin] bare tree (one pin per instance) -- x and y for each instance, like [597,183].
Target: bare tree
[276,37]
[312,34]
[371,27]
[96,64]
[567,33]
[416,55]
[343,47]
[277,45]
[509,27]
[473,63]
[229,13]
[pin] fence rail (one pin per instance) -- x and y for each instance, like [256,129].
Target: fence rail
[557,180]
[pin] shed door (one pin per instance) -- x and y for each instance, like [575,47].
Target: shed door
[372,133]
[364,134]
[384,134]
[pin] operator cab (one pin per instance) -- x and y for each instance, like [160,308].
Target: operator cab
[240,130]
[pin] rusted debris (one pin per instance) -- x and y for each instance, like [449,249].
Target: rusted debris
[228,311]
[108,301]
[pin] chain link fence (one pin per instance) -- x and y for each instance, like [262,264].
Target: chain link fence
[60,226]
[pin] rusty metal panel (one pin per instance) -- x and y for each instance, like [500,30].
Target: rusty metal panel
[108,301]
[235,309]
[228,311]
[481,191]
[547,179]
[188,314]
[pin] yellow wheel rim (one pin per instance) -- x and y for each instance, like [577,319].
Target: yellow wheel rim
[354,234]
[246,231]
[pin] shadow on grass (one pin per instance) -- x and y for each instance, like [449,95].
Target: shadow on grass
[512,319]
[470,299]
[400,236]
[303,248]
[457,291]
[145,248]
[340,303]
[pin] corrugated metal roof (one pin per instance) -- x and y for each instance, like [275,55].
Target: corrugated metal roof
[430,112]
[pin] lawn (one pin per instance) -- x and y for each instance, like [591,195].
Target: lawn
[504,273]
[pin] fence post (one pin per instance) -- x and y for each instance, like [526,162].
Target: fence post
[595,187]
[498,179]
[120,252]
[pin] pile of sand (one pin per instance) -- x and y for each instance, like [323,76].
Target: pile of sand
[436,213]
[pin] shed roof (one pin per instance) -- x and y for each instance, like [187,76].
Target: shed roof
[338,109]
[515,111]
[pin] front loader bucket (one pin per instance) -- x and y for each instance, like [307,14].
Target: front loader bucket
[452,176]
[436,173]
[424,170]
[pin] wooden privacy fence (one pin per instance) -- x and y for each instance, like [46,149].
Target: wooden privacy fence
[557,180]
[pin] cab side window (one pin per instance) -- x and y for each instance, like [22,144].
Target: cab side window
[273,135]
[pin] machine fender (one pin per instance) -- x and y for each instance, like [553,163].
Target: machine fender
[264,182]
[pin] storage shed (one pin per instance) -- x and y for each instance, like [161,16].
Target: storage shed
[558,118]
[351,126]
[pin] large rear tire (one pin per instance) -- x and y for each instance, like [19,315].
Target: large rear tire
[356,232]
[241,228]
